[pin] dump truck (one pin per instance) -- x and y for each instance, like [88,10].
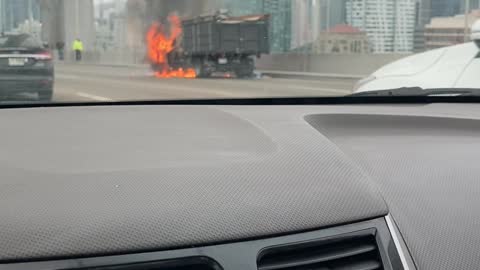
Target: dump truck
[221,43]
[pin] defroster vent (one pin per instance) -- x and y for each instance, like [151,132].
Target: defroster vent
[199,263]
[354,252]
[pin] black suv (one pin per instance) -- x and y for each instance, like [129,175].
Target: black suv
[26,66]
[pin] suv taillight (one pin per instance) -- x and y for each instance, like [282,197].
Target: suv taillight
[43,56]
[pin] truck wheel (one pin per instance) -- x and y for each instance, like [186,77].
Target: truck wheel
[45,96]
[201,71]
[198,70]
[244,73]
[206,74]
[246,69]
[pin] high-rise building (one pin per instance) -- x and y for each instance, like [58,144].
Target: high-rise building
[445,8]
[423,12]
[306,25]
[453,7]
[419,40]
[423,16]
[244,7]
[389,24]
[16,12]
[405,13]
[473,4]
[158,9]
[281,23]
[333,12]
[280,18]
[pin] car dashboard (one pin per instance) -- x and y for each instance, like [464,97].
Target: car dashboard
[364,245]
[240,187]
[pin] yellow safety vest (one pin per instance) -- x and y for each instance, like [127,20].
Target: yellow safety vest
[77,45]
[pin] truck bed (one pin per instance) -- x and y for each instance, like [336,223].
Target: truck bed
[235,35]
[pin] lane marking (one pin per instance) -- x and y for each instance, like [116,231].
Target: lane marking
[94,97]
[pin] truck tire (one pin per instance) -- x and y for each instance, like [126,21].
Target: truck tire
[242,74]
[45,95]
[200,70]
[245,69]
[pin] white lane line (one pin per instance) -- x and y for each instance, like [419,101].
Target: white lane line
[94,97]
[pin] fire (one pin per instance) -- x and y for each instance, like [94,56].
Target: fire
[178,73]
[160,44]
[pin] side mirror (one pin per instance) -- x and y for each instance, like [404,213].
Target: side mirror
[476,33]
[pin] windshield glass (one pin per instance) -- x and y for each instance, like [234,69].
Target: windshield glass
[19,41]
[131,50]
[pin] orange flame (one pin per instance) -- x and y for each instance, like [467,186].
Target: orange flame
[160,44]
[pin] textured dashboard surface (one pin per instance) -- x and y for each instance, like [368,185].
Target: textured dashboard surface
[79,181]
[427,167]
[108,180]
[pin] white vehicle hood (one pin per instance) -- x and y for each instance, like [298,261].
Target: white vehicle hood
[454,66]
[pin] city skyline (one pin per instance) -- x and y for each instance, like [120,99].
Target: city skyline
[391,25]
[14,13]
[280,18]
[296,23]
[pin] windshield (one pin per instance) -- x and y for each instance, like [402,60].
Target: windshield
[132,50]
[19,41]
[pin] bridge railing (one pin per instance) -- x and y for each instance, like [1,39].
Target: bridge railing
[111,57]
[340,65]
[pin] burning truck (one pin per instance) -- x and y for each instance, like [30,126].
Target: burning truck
[204,45]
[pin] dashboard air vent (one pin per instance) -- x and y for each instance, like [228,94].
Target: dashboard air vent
[353,253]
[181,264]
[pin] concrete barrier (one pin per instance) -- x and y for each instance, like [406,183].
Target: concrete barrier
[310,75]
[121,56]
[356,65]
[351,66]
[114,57]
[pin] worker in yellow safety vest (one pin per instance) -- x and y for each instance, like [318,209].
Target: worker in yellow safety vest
[78,48]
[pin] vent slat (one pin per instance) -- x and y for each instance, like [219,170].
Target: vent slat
[354,252]
[367,265]
[199,263]
[318,258]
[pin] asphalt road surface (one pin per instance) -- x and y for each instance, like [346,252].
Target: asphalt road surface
[83,82]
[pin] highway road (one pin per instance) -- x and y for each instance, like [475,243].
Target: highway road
[84,82]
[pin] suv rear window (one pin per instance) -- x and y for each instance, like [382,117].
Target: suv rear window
[19,41]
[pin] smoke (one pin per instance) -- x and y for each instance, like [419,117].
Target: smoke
[155,10]
[185,8]
[142,13]
[136,23]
